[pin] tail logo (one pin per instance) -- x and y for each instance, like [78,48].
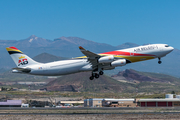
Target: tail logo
[22,61]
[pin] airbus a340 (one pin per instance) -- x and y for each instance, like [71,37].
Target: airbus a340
[96,63]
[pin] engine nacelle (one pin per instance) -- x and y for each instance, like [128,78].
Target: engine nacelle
[120,62]
[106,59]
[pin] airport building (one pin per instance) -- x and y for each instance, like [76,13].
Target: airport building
[72,103]
[95,102]
[118,103]
[109,102]
[169,101]
[86,103]
[11,103]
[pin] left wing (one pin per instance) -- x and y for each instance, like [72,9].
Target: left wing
[92,57]
[89,54]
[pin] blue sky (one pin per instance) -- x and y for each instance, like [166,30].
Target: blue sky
[105,21]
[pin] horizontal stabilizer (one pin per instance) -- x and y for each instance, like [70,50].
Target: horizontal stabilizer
[26,70]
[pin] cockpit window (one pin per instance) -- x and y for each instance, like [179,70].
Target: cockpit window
[166,45]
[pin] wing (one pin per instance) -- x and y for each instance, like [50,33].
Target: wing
[89,54]
[92,57]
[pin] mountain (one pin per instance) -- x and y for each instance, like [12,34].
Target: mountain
[33,42]
[127,45]
[81,82]
[45,58]
[133,75]
[128,81]
[149,82]
[68,47]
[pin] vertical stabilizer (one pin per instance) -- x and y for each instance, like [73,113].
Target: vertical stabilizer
[20,59]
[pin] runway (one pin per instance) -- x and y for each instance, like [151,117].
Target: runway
[125,116]
[88,110]
[82,113]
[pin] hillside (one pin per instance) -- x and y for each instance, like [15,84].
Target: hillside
[128,81]
[81,82]
[45,57]
[133,75]
[149,82]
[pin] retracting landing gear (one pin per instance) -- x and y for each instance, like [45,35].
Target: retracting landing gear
[101,73]
[159,61]
[96,75]
[91,77]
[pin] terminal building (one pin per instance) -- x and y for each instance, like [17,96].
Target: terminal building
[169,101]
[109,102]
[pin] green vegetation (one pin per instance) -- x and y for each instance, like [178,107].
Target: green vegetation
[84,95]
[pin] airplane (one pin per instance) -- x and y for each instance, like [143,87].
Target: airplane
[96,63]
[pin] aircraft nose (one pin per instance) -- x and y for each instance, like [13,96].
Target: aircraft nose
[171,48]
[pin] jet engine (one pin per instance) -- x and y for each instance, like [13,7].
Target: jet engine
[120,62]
[106,59]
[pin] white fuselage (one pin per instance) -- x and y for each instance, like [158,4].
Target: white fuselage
[79,65]
[59,68]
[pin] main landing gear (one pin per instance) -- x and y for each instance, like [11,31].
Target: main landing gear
[96,75]
[159,61]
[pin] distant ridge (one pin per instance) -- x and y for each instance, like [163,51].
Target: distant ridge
[45,57]
[127,45]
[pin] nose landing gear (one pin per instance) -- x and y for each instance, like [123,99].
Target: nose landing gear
[159,61]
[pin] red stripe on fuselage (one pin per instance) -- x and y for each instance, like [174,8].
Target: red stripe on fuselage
[125,53]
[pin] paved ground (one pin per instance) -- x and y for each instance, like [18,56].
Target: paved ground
[160,116]
[89,113]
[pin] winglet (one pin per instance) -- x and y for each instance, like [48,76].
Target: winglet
[88,53]
[81,48]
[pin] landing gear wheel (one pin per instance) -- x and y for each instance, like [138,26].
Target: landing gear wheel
[101,73]
[159,62]
[91,78]
[96,75]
